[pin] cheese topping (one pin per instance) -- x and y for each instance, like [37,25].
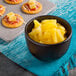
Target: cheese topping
[11,16]
[32,4]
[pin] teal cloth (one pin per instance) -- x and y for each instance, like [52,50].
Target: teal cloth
[18,52]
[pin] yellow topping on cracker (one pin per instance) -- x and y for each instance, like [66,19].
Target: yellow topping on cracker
[32,4]
[11,16]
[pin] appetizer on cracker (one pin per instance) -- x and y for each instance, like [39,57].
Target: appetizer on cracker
[12,20]
[13,1]
[32,7]
[2,10]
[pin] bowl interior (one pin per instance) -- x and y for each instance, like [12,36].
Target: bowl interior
[67,26]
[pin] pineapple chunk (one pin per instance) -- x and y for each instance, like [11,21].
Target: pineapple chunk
[60,37]
[49,21]
[46,35]
[48,24]
[62,29]
[11,16]
[36,24]
[63,32]
[54,35]
[32,4]
[36,34]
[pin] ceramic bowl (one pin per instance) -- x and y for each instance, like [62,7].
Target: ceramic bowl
[47,52]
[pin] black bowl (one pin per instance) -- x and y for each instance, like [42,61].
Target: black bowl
[47,52]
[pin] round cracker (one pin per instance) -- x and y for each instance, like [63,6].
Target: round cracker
[32,12]
[3,11]
[11,2]
[13,25]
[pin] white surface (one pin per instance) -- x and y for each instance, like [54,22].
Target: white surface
[8,34]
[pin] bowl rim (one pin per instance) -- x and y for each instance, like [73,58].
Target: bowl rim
[41,44]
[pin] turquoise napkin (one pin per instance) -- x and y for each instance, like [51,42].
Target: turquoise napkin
[18,52]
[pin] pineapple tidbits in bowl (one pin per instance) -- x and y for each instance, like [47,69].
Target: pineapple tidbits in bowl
[48,37]
[48,32]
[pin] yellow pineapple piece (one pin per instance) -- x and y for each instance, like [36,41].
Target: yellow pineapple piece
[63,32]
[46,35]
[60,37]
[11,16]
[62,29]
[48,24]
[36,34]
[54,35]
[36,24]
[54,21]
[32,4]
